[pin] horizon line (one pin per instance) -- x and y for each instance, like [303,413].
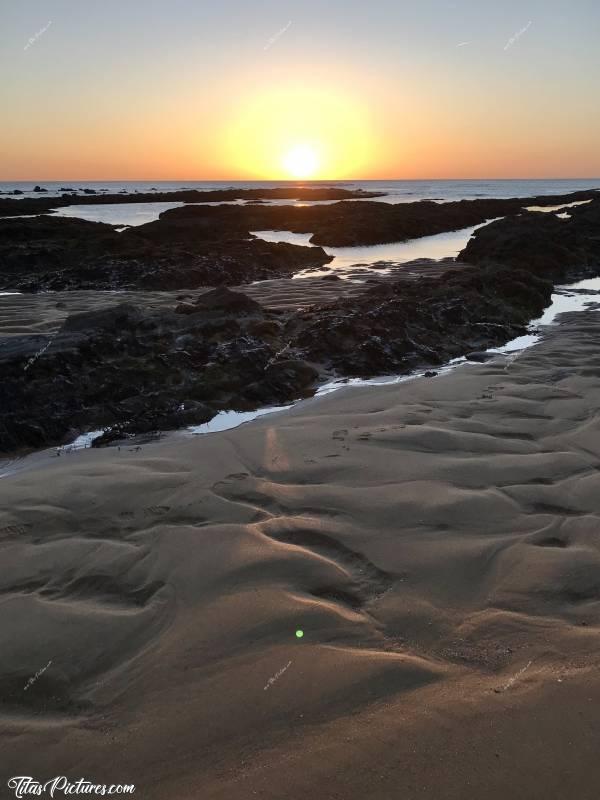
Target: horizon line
[291,180]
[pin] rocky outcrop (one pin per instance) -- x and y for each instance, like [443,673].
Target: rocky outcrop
[57,253]
[130,370]
[202,245]
[133,370]
[399,327]
[542,243]
[91,196]
[340,224]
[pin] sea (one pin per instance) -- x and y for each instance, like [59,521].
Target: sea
[395,191]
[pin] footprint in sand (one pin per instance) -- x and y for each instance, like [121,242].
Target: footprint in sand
[156,510]
[14,531]
[340,435]
[233,476]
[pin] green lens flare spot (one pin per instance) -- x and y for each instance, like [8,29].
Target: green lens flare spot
[299,634]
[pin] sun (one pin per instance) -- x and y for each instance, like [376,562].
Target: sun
[301,161]
[298,132]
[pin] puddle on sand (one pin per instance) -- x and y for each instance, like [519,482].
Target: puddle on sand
[81,442]
[225,420]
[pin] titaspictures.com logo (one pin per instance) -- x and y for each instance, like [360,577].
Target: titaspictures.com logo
[26,786]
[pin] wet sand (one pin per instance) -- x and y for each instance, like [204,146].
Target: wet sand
[436,542]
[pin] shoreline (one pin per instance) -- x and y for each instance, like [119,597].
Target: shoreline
[130,369]
[585,294]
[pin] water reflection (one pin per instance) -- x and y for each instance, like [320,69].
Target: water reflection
[438,246]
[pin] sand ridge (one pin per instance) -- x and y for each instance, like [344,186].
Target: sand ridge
[436,541]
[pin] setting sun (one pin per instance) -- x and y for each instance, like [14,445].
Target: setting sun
[299,132]
[301,161]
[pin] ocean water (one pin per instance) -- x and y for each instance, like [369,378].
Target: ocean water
[396,191]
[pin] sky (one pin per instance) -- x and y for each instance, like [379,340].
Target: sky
[235,90]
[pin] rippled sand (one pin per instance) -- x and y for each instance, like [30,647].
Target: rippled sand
[435,541]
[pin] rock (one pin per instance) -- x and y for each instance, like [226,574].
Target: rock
[59,253]
[106,320]
[39,189]
[265,328]
[186,308]
[541,243]
[430,373]
[339,224]
[133,370]
[223,300]
[41,205]
[396,327]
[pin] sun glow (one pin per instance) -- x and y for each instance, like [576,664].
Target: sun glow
[299,133]
[301,161]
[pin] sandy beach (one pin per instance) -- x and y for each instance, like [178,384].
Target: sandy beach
[299,400]
[435,542]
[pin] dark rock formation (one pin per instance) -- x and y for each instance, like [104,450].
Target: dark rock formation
[42,205]
[54,253]
[542,243]
[399,327]
[133,370]
[200,245]
[342,224]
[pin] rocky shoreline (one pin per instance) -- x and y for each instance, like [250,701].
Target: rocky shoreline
[43,205]
[202,245]
[130,369]
[53,254]
[350,224]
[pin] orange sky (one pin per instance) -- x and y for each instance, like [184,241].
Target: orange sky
[210,96]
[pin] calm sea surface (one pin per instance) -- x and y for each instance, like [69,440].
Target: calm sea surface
[396,191]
